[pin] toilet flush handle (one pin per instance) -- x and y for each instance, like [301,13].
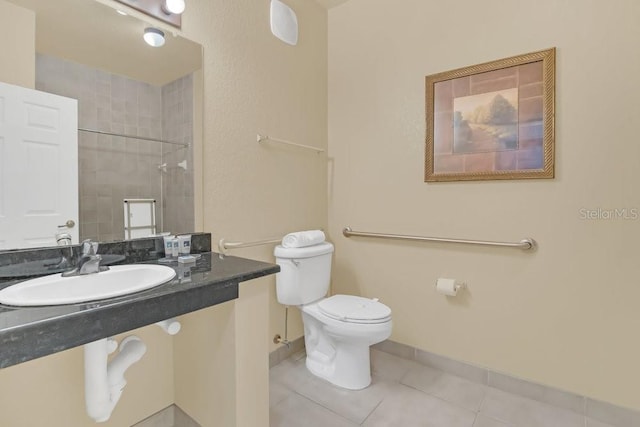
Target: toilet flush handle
[294,262]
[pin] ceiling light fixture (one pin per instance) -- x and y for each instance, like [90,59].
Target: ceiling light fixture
[174,6]
[284,22]
[153,36]
[121,12]
[167,11]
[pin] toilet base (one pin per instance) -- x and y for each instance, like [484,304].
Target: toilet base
[339,352]
[349,368]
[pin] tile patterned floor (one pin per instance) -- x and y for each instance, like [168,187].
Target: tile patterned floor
[404,394]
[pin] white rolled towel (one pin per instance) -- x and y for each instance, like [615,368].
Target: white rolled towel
[303,239]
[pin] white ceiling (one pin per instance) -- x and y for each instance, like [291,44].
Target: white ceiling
[93,34]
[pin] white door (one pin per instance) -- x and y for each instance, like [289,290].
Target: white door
[38,167]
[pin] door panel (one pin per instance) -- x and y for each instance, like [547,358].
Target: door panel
[38,167]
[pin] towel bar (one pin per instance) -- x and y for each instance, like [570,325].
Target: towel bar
[262,138]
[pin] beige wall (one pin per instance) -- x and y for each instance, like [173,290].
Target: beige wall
[18,45]
[219,362]
[254,84]
[565,316]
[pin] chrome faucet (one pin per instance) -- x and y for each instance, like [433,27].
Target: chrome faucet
[66,252]
[88,261]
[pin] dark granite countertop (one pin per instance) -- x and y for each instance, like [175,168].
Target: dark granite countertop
[30,332]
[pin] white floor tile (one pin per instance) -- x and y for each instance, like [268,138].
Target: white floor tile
[163,418]
[594,423]
[291,374]
[355,405]
[388,366]
[523,412]
[297,411]
[405,394]
[482,421]
[445,386]
[181,419]
[612,414]
[277,393]
[407,407]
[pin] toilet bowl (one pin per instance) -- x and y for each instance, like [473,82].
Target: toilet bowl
[338,346]
[338,330]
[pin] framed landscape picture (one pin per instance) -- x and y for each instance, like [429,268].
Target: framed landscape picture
[492,121]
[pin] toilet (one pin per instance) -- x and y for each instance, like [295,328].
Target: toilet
[338,330]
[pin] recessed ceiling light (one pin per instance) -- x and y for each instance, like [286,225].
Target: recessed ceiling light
[174,6]
[154,37]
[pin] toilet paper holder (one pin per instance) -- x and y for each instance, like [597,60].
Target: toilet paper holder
[449,287]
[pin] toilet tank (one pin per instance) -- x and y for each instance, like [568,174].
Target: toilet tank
[304,273]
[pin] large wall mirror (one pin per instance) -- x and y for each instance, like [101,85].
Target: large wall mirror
[139,117]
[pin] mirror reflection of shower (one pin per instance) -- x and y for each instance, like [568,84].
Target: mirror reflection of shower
[116,168]
[182,165]
[178,183]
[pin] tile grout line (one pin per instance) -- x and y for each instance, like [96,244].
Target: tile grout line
[475,419]
[484,395]
[324,407]
[584,410]
[484,398]
[372,411]
[439,398]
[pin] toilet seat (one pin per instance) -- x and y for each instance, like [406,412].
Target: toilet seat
[354,309]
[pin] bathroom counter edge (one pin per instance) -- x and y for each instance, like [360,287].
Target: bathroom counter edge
[28,333]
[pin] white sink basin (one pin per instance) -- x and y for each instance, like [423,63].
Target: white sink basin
[57,290]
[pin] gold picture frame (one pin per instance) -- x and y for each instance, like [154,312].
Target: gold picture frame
[492,121]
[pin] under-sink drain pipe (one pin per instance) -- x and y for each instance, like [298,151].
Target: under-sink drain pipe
[170,326]
[278,339]
[104,380]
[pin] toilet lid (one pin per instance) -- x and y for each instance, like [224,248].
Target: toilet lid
[350,308]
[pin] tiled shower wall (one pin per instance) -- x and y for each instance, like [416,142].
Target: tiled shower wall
[177,126]
[113,168]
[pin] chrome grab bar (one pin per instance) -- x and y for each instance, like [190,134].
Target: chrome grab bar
[223,245]
[524,244]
